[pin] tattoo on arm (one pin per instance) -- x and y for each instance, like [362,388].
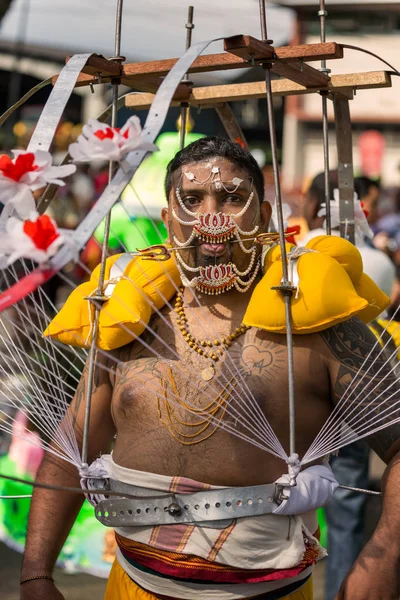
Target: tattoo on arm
[366,378]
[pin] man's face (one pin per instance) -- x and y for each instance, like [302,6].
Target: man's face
[202,195]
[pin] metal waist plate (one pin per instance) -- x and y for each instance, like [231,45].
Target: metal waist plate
[204,507]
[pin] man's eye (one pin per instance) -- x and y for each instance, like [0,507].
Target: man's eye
[233,199]
[191,201]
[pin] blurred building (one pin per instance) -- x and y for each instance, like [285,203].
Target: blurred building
[24,66]
[374,26]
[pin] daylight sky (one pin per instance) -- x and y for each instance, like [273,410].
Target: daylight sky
[152,29]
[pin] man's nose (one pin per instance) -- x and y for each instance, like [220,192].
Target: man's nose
[210,204]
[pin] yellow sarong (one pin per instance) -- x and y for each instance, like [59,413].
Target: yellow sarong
[121,587]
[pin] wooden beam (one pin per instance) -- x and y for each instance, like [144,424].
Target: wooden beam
[302,74]
[251,49]
[210,96]
[231,124]
[98,64]
[222,62]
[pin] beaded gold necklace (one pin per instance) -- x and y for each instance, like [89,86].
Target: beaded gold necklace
[213,413]
[211,350]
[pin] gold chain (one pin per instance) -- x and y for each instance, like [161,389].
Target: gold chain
[217,346]
[218,405]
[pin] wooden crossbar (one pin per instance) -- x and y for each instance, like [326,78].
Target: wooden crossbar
[289,62]
[250,49]
[210,96]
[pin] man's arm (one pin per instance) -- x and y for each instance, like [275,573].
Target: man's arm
[53,513]
[363,371]
[375,575]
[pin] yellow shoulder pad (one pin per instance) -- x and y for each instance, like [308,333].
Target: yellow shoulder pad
[143,286]
[331,288]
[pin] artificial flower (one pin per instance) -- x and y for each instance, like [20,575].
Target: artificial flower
[98,141]
[26,173]
[36,238]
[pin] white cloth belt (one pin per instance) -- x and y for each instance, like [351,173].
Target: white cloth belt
[314,488]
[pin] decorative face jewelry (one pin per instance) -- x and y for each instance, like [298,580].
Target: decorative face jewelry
[216,228]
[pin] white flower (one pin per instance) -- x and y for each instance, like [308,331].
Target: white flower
[98,141]
[36,238]
[25,173]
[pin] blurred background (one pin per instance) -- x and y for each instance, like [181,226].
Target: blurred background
[35,38]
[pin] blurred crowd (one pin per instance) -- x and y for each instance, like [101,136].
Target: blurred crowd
[379,246]
[380,249]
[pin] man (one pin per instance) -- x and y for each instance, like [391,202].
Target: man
[345,513]
[214,188]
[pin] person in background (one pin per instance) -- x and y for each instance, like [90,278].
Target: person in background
[346,511]
[387,239]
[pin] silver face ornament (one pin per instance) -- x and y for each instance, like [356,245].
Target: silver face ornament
[216,228]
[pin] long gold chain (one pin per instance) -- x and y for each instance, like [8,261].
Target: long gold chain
[217,347]
[218,405]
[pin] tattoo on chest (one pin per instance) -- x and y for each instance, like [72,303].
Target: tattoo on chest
[258,358]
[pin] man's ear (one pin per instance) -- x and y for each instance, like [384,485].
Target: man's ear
[265,211]
[165,220]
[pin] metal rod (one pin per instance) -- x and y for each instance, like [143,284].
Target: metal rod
[14,86]
[104,252]
[275,168]
[285,283]
[184,105]
[325,135]
[361,490]
[344,145]
[286,286]
[263,21]
[325,127]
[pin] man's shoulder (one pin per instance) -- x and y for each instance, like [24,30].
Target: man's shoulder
[350,341]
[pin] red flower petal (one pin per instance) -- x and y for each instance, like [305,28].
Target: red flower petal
[42,232]
[107,134]
[15,169]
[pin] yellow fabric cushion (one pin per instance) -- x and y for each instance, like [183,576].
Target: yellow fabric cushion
[145,285]
[392,329]
[377,300]
[332,288]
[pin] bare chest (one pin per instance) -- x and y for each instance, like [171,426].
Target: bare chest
[251,371]
[169,420]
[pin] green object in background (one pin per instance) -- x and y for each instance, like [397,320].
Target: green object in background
[323,527]
[137,224]
[131,233]
[85,545]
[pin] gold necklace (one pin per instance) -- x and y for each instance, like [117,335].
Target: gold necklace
[214,413]
[217,346]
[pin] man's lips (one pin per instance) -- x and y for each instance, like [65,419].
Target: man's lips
[213,249]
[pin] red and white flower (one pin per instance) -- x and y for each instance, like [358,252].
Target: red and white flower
[36,238]
[25,173]
[98,141]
